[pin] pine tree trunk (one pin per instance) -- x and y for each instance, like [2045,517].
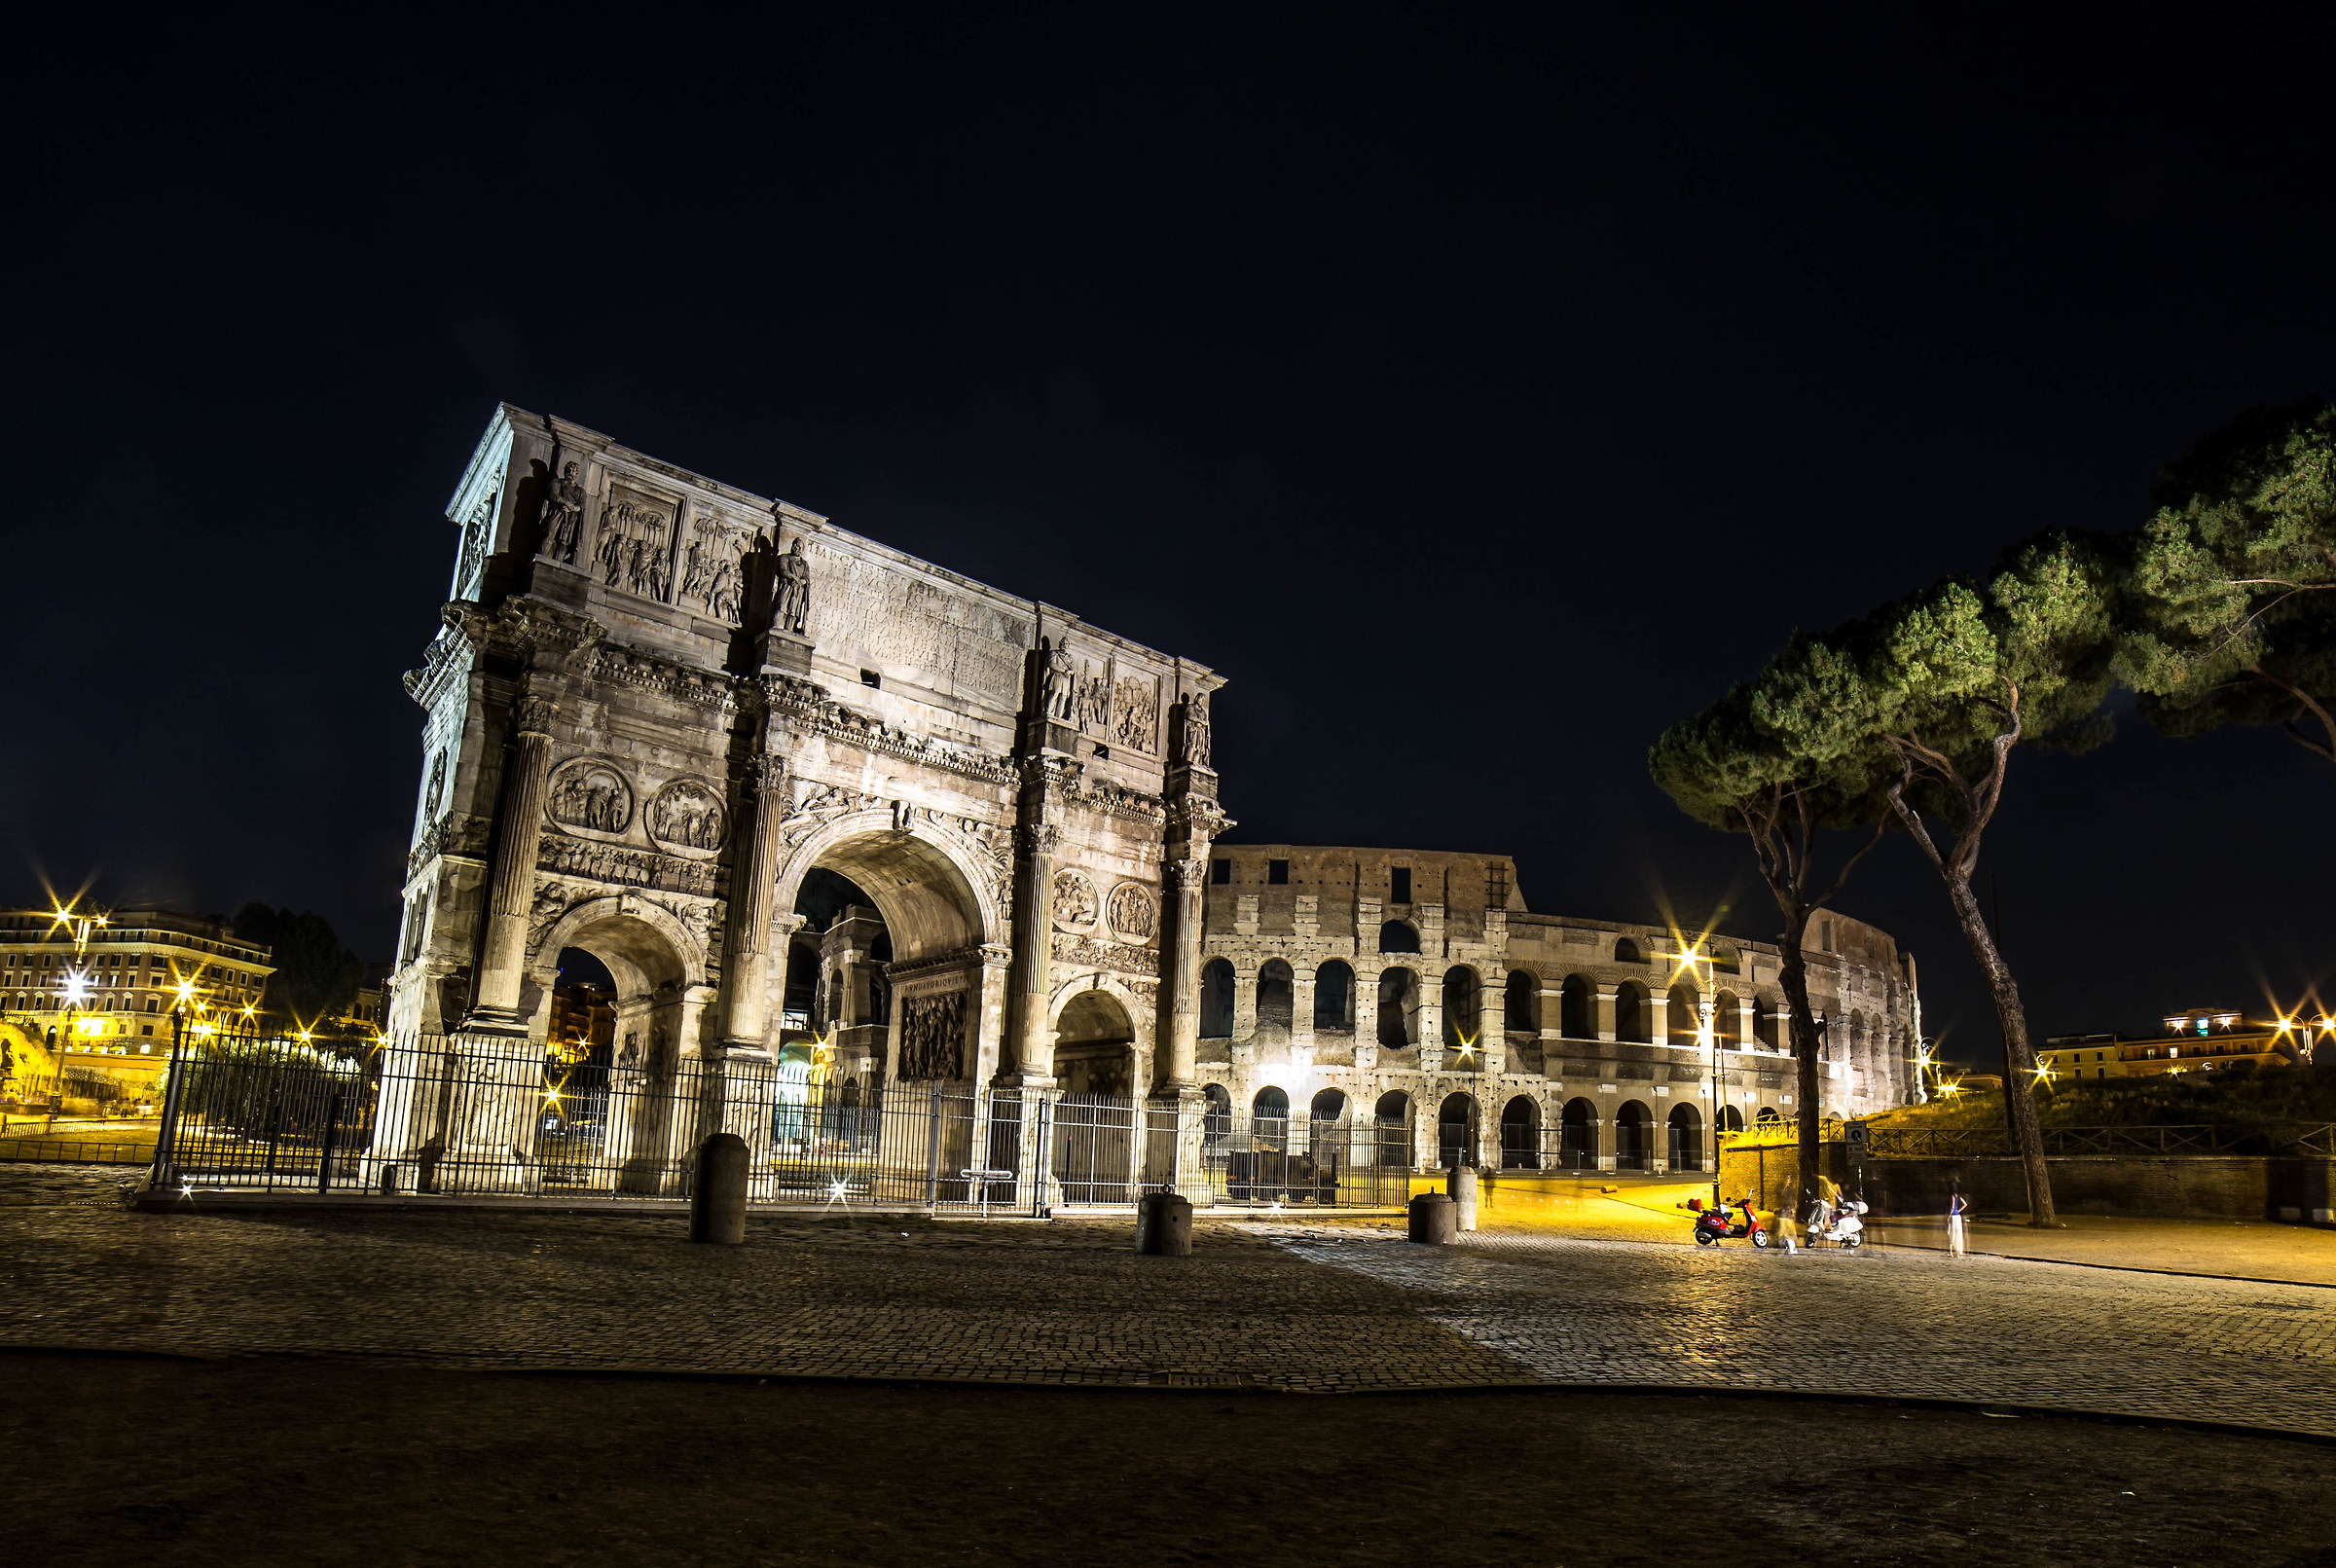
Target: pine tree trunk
[2019,1061]
[1794,978]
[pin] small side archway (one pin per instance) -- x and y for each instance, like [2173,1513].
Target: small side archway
[1577,1010]
[1216,1000]
[1630,1012]
[1216,1116]
[1276,986]
[1095,1046]
[1456,1131]
[1392,1119]
[1578,1135]
[1680,1014]
[1687,1139]
[1521,1134]
[1463,1006]
[1398,1006]
[1634,1139]
[1521,1002]
[1334,998]
[1399,936]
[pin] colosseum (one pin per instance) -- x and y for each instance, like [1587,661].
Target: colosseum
[1414,987]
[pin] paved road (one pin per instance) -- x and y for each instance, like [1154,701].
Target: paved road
[1328,1307]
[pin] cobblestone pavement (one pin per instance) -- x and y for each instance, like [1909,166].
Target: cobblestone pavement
[1907,1322]
[1341,1307]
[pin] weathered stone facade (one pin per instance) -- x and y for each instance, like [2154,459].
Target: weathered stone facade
[1415,985]
[659,702]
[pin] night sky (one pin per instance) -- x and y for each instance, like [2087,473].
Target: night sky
[1477,401]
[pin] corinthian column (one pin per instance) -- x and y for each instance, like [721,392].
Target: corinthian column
[747,958]
[511,892]
[1185,879]
[1033,975]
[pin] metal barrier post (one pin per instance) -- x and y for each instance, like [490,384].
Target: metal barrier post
[933,1148]
[331,1129]
[166,1136]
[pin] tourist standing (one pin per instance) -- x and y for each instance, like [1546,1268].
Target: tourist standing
[1956,1207]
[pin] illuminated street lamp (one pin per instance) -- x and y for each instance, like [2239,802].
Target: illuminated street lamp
[1706,1037]
[79,926]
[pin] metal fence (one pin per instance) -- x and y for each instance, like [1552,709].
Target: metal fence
[477,1116]
[1995,1142]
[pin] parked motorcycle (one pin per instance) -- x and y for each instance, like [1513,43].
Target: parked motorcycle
[1723,1221]
[1842,1222]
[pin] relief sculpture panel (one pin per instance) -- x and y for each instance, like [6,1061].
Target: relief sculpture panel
[1132,912]
[1074,900]
[714,566]
[933,1034]
[635,547]
[686,819]
[589,796]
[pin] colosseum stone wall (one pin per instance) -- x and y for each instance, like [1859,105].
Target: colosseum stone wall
[1415,987]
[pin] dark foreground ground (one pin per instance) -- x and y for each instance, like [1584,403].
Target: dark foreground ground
[134,1460]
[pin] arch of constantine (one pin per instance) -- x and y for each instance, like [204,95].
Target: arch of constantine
[666,720]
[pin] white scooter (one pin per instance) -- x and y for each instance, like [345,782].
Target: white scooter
[1841,1222]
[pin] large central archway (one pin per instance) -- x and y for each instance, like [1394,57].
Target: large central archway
[931,902]
[939,905]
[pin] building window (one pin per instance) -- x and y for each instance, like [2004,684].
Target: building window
[1398,886]
[1220,872]
[1277,873]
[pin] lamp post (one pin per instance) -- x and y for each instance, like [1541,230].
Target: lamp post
[1708,1038]
[79,928]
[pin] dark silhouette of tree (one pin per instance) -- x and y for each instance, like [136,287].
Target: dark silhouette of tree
[2232,598]
[316,980]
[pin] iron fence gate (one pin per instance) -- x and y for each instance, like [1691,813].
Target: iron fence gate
[475,1114]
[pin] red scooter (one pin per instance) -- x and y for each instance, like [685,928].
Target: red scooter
[1718,1222]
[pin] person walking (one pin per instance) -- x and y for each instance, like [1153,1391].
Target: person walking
[1956,1207]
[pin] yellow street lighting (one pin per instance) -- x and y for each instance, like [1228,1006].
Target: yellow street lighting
[2044,1072]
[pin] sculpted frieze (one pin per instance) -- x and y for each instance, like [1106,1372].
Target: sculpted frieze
[1117,800]
[1115,956]
[703,688]
[623,866]
[808,706]
[459,835]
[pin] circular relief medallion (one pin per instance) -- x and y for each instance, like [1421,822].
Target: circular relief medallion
[686,818]
[1132,912]
[589,796]
[1073,900]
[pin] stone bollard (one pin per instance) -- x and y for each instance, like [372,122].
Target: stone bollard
[1434,1219]
[717,1198]
[1462,1186]
[1164,1225]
